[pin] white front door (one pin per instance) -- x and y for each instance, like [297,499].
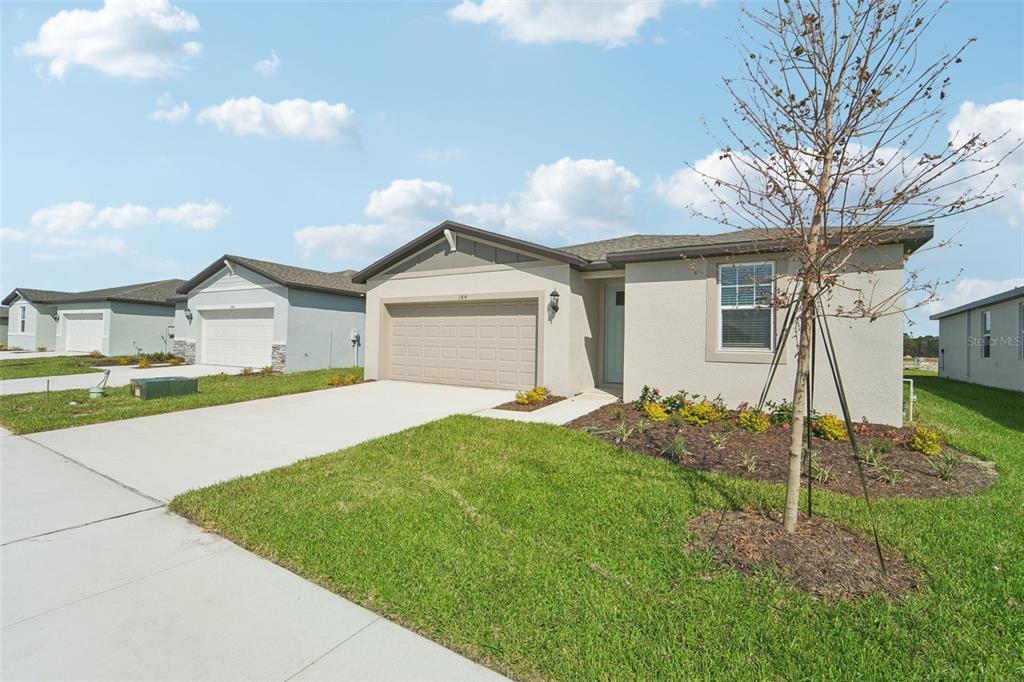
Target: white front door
[239,337]
[83,331]
[614,332]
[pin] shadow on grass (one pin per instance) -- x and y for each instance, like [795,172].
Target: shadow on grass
[999,405]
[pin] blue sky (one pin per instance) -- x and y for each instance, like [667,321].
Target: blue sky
[557,124]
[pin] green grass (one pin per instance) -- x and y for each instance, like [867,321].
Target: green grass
[45,367]
[547,554]
[33,412]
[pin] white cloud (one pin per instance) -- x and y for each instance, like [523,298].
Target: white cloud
[609,24]
[970,290]
[297,118]
[568,200]
[9,234]
[410,201]
[575,199]
[197,216]
[685,188]
[124,38]
[168,111]
[122,217]
[352,242]
[991,121]
[267,67]
[65,218]
[100,244]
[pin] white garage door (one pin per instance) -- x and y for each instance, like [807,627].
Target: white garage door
[83,331]
[493,345]
[240,337]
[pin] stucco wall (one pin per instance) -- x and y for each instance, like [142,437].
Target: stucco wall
[556,363]
[244,288]
[670,327]
[60,342]
[138,325]
[960,337]
[585,331]
[40,327]
[320,326]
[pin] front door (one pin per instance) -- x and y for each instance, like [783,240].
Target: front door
[614,332]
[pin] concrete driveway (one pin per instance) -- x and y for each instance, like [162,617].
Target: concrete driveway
[119,376]
[100,581]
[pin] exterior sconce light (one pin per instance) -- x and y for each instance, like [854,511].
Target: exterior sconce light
[188,314]
[554,300]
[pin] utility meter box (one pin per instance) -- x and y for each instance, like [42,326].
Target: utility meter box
[163,387]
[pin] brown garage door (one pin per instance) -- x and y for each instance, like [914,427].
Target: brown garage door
[493,345]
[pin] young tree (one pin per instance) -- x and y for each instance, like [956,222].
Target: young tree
[832,149]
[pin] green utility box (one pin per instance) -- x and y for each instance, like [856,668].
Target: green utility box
[162,387]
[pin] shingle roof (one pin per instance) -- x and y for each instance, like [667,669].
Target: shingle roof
[286,275]
[35,295]
[599,250]
[146,292]
[980,303]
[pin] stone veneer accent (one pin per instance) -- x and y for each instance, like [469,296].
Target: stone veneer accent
[278,356]
[185,349]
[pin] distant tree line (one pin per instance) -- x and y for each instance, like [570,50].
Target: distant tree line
[921,346]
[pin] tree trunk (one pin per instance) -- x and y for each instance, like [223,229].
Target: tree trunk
[798,426]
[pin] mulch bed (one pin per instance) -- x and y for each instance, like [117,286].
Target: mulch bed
[771,450]
[821,558]
[516,407]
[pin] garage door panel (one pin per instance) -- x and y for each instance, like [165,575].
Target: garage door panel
[478,344]
[237,337]
[83,331]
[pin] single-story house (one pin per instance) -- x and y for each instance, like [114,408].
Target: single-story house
[122,320]
[983,342]
[4,313]
[244,312]
[461,305]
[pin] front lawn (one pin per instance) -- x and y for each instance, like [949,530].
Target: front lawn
[45,367]
[546,553]
[33,412]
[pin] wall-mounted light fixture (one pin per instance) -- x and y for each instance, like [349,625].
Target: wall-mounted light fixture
[55,315]
[188,314]
[554,300]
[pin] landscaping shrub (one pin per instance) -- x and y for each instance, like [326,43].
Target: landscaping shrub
[655,412]
[537,394]
[343,380]
[144,362]
[926,441]
[648,395]
[701,413]
[830,427]
[175,361]
[95,354]
[267,371]
[125,361]
[755,421]
[247,371]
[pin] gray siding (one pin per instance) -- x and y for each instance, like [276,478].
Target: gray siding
[961,348]
[139,326]
[40,327]
[320,326]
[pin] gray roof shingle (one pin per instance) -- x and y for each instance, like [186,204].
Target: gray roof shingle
[287,275]
[146,292]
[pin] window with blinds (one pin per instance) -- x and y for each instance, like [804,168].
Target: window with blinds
[747,321]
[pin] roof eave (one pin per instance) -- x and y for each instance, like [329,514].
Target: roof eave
[995,299]
[434,233]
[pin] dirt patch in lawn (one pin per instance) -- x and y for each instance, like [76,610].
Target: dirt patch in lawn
[516,407]
[724,447]
[821,558]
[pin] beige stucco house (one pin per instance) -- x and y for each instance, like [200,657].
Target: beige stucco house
[462,305]
[983,342]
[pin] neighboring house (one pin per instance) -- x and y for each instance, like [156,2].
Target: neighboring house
[33,318]
[122,320]
[119,321]
[3,325]
[466,306]
[243,312]
[983,342]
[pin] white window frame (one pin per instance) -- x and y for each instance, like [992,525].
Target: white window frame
[21,319]
[722,308]
[986,334]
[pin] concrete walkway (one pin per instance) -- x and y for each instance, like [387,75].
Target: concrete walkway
[561,412]
[119,376]
[32,354]
[100,581]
